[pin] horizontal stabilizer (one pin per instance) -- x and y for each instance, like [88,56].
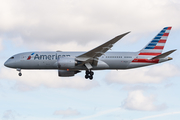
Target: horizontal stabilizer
[163,55]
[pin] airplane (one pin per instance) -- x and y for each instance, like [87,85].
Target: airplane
[70,63]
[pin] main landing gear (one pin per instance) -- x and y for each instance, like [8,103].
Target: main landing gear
[89,74]
[19,69]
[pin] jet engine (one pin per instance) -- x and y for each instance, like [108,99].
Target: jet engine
[65,73]
[66,63]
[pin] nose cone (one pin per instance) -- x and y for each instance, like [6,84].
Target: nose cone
[9,63]
[6,64]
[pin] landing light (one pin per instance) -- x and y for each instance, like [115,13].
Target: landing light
[169,58]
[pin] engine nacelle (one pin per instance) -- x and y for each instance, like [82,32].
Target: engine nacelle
[65,73]
[66,63]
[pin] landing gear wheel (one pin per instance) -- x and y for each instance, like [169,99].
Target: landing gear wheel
[89,74]
[19,69]
[90,77]
[20,74]
[86,76]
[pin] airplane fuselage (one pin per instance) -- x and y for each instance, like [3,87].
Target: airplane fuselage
[49,60]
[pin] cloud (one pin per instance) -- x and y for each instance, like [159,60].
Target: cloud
[17,41]
[100,113]
[1,46]
[136,100]
[42,23]
[138,87]
[8,115]
[160,115]
[153,74]
[67,113]
[48,78]
[168,85]
[70,46]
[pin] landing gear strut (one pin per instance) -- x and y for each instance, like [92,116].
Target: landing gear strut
[89,74]
[19,69]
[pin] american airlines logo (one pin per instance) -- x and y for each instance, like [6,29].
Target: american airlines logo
[29,57]
[47,57]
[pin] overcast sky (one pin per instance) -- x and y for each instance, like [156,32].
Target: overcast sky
[149,93]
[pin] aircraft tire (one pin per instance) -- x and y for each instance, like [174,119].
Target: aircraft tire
[91,77]
[87,72]
[20,74]
[86,76]
[91,73]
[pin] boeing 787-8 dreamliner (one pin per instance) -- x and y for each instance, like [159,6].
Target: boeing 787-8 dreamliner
[71,63]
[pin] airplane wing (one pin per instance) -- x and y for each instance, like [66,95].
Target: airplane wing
[93,54]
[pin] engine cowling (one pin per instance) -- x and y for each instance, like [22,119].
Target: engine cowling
[66,63]
[65,73]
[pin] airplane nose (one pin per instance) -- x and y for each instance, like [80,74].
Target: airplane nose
[6,64]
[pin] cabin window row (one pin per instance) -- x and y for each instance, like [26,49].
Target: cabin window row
[113,56]
[118,57]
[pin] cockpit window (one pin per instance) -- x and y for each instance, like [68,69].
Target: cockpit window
[12,58]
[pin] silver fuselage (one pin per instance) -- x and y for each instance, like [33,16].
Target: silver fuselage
[49,60]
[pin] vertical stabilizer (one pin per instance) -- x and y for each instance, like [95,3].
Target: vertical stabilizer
[155,47]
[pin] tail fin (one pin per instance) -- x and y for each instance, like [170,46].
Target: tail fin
[155,47]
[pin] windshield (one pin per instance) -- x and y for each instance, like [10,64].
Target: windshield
[12,58]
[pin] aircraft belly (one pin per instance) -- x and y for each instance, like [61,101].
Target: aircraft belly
[135,65]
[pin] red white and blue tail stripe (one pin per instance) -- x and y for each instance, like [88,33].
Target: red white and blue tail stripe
[155,47]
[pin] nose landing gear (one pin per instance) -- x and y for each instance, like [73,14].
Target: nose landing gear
[19,69]
[89,74]
[20,74]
